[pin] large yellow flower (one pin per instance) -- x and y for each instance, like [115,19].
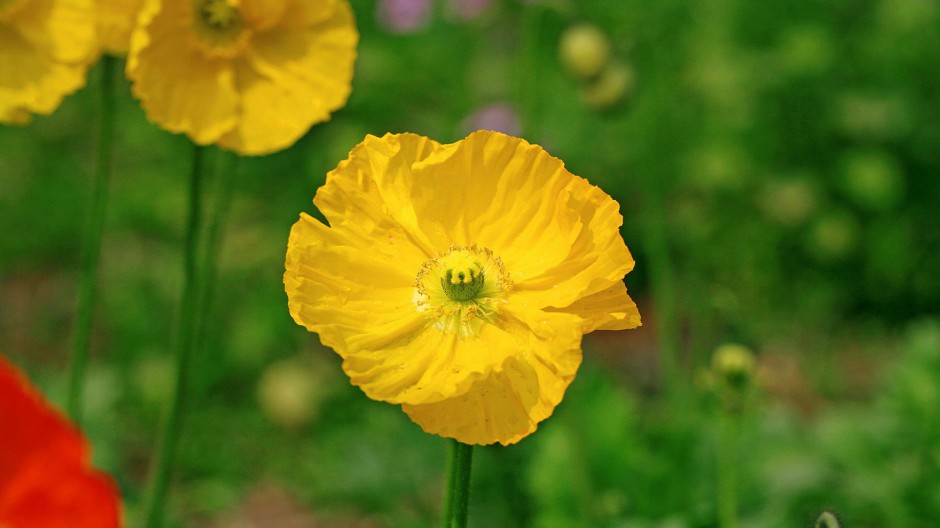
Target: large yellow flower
[249,75]
[116,19]
[46,47]
[457,280]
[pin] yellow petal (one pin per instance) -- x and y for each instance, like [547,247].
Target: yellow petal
[372,186]
[598,258]
[610,309]
[360,301]
[261,15]
[12,115]
[179,87]
[291,80]
[303,13]
[362,306]
[499,192]
[116,19]
[331,271]
[30,81]
[65,29]
[508,403]
[356,293]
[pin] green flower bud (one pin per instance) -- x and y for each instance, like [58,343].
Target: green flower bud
[613,85]
[584,50]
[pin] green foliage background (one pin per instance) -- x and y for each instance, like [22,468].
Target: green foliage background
[783,158]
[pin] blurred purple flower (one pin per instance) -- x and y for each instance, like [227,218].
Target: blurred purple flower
[403,16]
[468,9]
[498,117]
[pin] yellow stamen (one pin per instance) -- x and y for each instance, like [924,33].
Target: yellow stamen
[461,290]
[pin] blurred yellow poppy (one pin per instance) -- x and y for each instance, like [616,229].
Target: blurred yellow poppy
[46,47]
[249,75]
[116,19]
[457,280]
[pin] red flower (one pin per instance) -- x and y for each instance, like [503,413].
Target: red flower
[45,477]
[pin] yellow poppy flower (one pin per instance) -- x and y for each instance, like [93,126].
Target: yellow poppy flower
[116,19]
[249,75]
[46,47]
[457,280]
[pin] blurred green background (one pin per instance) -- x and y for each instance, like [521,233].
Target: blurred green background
[777,168]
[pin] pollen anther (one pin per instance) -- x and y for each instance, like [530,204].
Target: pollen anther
[461,289]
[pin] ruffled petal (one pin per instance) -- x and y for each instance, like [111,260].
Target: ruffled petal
[30,81]
[340,288]
[356,297]
[597,260]
[499,192]
[508,403]
[179,87]
[493,410]
[116,19]
[362,306]
[373,185]
[291,79]
[12,115]
[65,29]
[610,309]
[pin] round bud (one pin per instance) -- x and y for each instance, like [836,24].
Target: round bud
[734,364]
[584,50]
[614,84]
[289,394]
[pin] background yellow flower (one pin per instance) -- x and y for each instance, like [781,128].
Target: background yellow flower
[116,19]
[251,76]
[46,47]
[457,280]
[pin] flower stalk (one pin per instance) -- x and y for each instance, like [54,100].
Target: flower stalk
[457,499]
[190,313]
[734,368]
[224,170]
[91,245]
[727,472]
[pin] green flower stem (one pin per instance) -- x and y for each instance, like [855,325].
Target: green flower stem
[190,313]
[91,246]
[662,281]
[224,189]
[727,472]
[457,497]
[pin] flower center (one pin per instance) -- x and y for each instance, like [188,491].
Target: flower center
[461,289]
[464,278]
[219,14]
[219,27]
